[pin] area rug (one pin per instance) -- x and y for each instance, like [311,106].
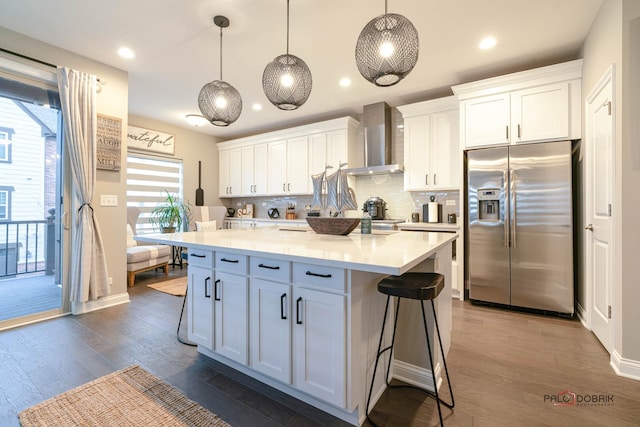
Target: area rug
[176,287]
[129,397]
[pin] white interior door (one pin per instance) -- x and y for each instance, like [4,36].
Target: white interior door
[599,201]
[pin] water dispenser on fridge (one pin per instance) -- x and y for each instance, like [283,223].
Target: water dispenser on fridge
[488,204]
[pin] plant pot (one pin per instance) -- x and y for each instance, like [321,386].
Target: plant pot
[168,229]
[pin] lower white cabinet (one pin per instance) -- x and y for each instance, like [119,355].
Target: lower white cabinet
[230,294]
[200,307]
[319,344]
[270,326]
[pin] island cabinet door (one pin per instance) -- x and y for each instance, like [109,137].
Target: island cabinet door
[230,294]
[270,328]
[200,307]
[319,344]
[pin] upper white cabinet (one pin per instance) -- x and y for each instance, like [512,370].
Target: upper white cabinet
[254,170]
[230,173]
[282,162]
[530,106]
[432,155]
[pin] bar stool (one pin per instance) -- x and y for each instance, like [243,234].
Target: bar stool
[416,286]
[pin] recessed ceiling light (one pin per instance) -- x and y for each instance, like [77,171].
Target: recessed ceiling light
[256,106]
[127,53]
[196,119]
[487,43]
[345,82]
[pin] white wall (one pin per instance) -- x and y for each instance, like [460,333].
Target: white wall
[608,42]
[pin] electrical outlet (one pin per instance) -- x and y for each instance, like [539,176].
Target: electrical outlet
[451,202]
[110,281]
[108,200]
[264,204]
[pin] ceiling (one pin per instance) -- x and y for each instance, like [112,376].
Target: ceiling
[177,48]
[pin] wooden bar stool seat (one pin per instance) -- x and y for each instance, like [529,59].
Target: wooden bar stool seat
[416,286]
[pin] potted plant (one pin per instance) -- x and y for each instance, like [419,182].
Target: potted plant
[171,214]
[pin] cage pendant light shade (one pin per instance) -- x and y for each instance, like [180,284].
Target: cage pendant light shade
[287,82]
[219,102]
[387,49]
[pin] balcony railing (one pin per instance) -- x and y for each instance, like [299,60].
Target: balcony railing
[27,247]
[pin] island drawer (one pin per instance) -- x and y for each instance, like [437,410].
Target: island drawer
[231,263]
[200,258]
[270,269]
[320,276]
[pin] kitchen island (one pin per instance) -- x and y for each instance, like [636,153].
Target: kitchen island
[300,311]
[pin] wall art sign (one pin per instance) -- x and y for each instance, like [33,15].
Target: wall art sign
[109,142]
[150,140]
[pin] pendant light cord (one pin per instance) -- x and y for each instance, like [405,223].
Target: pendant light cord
[288,27]
[385,7]
[221,54]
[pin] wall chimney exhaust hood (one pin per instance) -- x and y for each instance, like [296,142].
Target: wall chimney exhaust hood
[376,120]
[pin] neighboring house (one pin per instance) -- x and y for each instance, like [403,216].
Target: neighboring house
[28,164]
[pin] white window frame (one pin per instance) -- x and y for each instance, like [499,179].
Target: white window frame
[5,141]
[5,204]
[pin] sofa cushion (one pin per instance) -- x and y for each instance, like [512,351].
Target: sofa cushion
[147,252]
[135,266]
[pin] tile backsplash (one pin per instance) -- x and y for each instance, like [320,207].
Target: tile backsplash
[400,204]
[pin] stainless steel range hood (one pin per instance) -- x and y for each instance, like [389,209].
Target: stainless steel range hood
[377,141]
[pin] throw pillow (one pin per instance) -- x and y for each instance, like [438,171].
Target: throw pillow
[206,226]
[130,242]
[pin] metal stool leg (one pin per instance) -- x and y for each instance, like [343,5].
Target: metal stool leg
[444,360]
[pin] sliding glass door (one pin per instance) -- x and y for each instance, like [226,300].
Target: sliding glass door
[31,194]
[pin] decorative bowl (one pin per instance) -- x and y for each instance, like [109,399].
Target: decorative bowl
[337,226]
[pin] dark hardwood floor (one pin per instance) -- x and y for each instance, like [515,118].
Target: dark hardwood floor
[502,365]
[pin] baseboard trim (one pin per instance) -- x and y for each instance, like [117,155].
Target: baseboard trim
[626,368]
[415,375]
[582,315]
[99,304]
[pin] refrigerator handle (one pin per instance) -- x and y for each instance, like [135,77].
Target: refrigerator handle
[505,184]
[514,208]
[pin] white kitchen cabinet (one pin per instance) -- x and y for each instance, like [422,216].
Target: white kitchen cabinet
[537,105]
[270,328]
[282,162]
[432,155]
[230,173]
[200,290]
[319,344]
[288,166]
[231,310]
[254,170]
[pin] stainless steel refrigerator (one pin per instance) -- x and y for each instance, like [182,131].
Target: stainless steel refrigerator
[520,232]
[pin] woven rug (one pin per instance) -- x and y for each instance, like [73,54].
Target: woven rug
[174,286]
[129,397]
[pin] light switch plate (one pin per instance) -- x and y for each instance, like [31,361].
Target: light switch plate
[108,200]
[451,202]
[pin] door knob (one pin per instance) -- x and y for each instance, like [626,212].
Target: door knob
[589,227]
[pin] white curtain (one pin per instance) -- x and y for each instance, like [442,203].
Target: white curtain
[89,278]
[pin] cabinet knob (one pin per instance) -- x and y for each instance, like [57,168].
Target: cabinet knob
[589,227]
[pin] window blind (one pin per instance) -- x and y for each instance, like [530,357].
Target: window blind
[148,181]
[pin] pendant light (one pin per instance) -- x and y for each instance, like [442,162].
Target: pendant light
[286,80]
[219,102]
[387,49]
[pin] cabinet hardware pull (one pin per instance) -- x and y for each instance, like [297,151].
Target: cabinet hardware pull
[283,186]
[426,179]
[435,181]
[325,276]
[298,321]
[288,187]
[270,267]
[589,227]
[507,130]
[518,131]
[207,280]
[215,290]
[233,261]
[198,255]
[282,298]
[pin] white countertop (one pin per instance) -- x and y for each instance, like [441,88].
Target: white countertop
[385,253]
[428,226]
